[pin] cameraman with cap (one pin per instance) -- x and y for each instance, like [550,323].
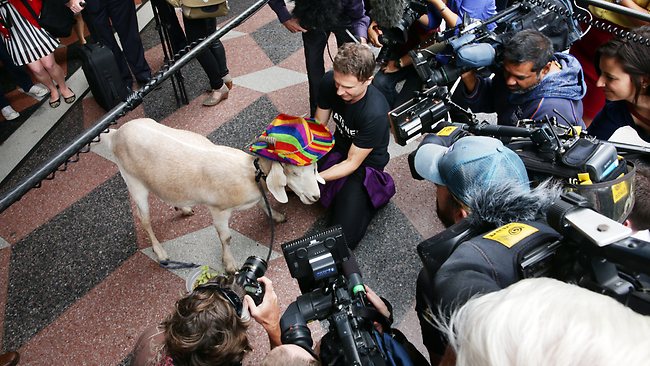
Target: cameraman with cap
[484,183]
[535,82]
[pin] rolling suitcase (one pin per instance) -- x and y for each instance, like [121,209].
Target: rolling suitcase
[103,75]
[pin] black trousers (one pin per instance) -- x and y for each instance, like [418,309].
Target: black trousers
[352,209]
[314,42]
[213,59]
[102,16]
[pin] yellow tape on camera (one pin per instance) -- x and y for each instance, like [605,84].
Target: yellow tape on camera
[620,191]
[511,234]
[446,131]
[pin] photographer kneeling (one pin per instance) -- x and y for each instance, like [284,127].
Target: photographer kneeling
[208,326]
[536,82]
[484,184]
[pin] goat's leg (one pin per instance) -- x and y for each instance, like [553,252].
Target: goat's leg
[275,215]
[220,220]
[140,195]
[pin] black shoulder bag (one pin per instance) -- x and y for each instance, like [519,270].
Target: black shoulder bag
[56,18]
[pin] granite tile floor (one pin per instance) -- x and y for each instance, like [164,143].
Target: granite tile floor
[77,280]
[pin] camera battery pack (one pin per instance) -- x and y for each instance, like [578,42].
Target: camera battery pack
[602,162]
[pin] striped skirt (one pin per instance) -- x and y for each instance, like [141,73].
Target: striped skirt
[26,43]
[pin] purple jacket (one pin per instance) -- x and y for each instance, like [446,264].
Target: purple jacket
[353,10]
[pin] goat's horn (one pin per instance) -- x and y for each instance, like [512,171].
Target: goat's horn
[268,139]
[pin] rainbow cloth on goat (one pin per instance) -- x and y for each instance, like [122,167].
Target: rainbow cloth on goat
[294,140]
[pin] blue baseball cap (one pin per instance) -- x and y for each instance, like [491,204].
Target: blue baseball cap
[472,161]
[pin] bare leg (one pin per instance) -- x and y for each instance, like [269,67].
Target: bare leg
[44,78]
[79,28]
[57,74]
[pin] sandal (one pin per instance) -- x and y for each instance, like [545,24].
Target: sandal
[70,99]
[56,103]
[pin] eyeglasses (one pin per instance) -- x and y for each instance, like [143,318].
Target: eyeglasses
[227,293]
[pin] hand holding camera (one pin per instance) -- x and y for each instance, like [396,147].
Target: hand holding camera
[266,313]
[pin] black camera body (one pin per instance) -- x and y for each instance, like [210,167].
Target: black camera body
[331,289]
[254,267]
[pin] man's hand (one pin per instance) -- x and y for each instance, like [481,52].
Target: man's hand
[469,79]
[76,5]
[268,312]
[379,305]
[293,25]
[390,67]
[373,34]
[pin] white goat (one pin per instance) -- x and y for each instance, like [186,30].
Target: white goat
[186,169]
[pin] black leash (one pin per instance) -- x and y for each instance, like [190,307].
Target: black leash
[259,175]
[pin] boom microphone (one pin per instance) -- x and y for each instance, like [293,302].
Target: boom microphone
[387,13]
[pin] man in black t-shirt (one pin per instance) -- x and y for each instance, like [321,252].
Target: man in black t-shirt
[356,184]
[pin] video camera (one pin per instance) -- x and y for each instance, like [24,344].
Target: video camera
[472,46]
[594,252]
[332,289]
[395,31]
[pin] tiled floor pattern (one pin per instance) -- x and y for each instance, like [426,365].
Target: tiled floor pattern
[77,284]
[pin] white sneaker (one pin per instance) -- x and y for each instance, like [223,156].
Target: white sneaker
[38,91]
[9,113]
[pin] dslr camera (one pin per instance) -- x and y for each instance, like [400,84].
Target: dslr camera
[247,276]
[332,289]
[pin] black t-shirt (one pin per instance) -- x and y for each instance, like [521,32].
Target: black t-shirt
[364,123]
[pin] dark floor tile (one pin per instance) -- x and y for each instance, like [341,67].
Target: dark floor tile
[247,125]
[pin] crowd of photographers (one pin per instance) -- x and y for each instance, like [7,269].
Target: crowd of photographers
[483,190]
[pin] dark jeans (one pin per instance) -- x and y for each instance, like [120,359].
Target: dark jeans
[213,59]
[352,209]
[315,42]
[102,16]
[387,83]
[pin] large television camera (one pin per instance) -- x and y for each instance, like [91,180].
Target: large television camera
[332,289]
[473,46]
[594,252]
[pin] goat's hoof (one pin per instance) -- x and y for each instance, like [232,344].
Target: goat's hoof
[278,217]
[231,269]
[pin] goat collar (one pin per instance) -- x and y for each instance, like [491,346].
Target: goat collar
[259,174]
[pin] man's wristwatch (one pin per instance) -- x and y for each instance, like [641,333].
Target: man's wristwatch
[618,2]
[398,63]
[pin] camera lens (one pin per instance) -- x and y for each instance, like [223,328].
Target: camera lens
[255,265]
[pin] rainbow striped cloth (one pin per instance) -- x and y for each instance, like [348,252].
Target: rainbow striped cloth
[294,140]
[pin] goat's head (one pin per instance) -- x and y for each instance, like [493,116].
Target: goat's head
[302,180]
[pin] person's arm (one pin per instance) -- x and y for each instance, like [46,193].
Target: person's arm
[267,314]
[451,19]
[356,156]
[632,5]
[360,22]
[478,92]
[284,16]
[322,115]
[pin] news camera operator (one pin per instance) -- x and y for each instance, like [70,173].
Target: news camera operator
[316,20]
[397,79]
[208,326]
[534,82]
[484,184]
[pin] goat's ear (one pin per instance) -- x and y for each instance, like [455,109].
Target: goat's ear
[276,181]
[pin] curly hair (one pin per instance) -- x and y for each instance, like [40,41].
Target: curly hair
[205,329]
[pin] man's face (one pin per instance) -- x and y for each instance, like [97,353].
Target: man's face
[448,211]
[615,82]
[349,88]
[520,78]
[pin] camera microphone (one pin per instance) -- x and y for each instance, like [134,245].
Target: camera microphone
[387,13]
[353,274]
